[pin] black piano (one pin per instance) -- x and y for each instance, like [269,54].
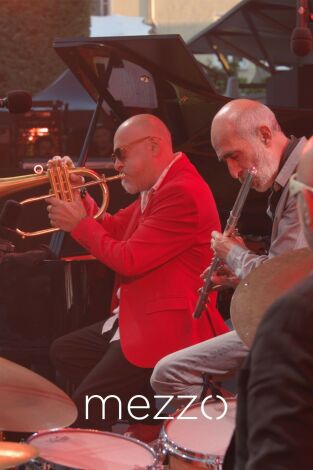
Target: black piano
[124,76]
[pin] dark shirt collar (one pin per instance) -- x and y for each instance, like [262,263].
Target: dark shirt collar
[279,182]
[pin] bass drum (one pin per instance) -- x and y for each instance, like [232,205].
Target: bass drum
[73,449]
[199,438]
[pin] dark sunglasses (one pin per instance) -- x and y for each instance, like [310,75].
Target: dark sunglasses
[119,152]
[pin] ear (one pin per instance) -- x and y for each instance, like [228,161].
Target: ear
[155,146]
[265,135]
[306,208]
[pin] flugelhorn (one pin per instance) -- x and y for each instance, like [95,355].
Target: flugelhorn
[61,187]
[230,228]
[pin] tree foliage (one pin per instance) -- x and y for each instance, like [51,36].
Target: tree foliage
[28,27]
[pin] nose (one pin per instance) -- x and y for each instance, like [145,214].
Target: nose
[118,165]
[233,168]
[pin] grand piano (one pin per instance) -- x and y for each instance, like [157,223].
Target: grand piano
[126,76]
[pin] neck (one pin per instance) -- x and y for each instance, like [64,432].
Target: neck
[278,151]
[163,164]
[165,160]
[282,145]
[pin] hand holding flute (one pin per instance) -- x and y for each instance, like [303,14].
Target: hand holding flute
[222,243]
[222,278]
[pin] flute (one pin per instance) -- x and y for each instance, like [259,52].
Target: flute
[230,228]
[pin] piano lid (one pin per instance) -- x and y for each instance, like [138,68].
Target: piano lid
[154,74]
[259,30]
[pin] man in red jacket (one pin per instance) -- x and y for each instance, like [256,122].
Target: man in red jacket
[157,246]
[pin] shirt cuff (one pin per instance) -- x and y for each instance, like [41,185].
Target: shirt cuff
[234,259]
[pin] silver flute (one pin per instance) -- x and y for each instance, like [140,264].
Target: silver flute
[230,228]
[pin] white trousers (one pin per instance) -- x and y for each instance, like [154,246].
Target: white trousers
[181,373]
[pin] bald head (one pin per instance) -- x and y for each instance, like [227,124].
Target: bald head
[143,125]
[143,149]
[245,134]
[243,117]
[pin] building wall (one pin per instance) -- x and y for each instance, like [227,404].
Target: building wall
[185,17]
[185,11]
[126,7]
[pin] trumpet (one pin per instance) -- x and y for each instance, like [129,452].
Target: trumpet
[61,187]
[230,228]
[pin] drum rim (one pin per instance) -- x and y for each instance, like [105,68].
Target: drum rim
[93,431]
[184,453]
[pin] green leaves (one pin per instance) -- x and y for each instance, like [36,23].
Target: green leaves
[28,28]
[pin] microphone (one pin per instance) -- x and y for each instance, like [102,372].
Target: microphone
[301,38]
[18,101]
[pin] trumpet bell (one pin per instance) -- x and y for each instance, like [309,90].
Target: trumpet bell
[19,183]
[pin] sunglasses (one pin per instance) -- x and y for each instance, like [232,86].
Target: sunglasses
[120,152]
[295,186]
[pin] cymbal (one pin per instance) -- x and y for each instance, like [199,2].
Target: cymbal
[263,286]
[12,454]
[30,402]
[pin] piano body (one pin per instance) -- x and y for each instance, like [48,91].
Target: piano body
[126,76]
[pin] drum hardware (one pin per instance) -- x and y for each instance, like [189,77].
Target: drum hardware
[230,229]
[257,291]
[161,453]
[87,449]
[30,402]
[61,187]
[12,454]
[199,443]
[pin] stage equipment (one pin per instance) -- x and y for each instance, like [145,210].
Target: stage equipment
[90,449]
[12,454]
[263,286]
[30,402]
[301,38]
[200,437]
[17,101]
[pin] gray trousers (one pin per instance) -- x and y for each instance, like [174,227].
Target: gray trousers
[181,373]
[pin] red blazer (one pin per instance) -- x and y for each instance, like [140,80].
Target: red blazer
[158,257]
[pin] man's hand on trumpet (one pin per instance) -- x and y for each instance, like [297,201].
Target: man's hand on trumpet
[62,214]
[66,161]
[66,215]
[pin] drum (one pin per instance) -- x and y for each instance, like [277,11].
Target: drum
[89,450]
[200,436]
[263,286]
